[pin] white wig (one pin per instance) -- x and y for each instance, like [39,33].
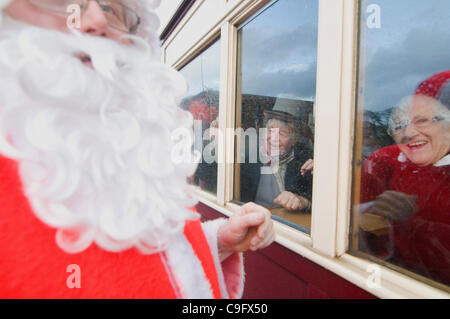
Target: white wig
[149,20]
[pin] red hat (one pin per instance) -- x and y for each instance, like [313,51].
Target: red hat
[201,111]
[437,86]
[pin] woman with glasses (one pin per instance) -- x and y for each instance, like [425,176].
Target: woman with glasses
[409,183]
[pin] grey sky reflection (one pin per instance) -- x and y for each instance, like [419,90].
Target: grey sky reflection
[412,44]
[203,72]
[279,50]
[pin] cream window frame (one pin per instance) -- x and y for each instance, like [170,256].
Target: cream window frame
[334,139]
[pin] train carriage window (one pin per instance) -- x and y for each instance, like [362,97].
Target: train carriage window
[202,100]
[401,178]
[276,87]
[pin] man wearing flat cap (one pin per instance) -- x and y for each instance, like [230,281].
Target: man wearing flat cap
[276,180]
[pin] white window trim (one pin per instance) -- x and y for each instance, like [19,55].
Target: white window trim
[334,138]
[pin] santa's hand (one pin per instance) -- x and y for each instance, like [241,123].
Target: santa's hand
[308,166]
[250,228]
[394,205]
[291,201]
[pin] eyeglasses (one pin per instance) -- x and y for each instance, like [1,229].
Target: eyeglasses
[118,16]
[418,123]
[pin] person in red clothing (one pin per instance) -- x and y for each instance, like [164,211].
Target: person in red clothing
[92,202]
[409,183]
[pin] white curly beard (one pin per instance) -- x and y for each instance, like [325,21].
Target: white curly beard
[94,145]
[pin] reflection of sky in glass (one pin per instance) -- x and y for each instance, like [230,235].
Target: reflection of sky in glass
[279,50]
[203,73]
[412,44]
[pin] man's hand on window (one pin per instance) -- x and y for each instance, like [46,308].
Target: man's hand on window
[292,201]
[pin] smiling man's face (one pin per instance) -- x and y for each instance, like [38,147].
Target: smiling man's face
[93,19]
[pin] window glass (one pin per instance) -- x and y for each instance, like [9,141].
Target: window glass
[202,100]
[401,183]
[276,89]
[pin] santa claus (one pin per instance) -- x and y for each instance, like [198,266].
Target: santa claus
[91,204]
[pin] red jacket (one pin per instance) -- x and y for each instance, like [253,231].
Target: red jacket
[421,243]
[33,266]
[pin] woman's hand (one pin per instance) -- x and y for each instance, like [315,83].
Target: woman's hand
[394,205]
[250,228]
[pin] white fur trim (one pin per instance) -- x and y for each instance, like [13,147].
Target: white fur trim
[187,271]
[443,161]
[210,228]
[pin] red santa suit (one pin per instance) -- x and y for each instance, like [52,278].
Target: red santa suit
[422,242]
[33,266]
[98,136]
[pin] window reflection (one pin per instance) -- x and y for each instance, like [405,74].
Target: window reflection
[202,101]
[275,109]
[402,175]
